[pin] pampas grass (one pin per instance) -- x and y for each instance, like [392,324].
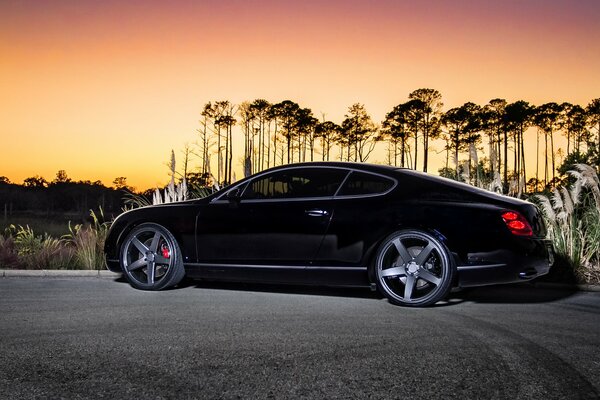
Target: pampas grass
[572,215]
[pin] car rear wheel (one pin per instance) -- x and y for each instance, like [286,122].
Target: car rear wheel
[413,268]
[151,258]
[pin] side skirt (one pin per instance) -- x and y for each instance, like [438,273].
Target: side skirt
[291,274]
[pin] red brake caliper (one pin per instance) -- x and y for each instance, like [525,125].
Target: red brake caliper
[165,251]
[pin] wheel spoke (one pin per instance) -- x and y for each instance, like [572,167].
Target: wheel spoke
[139,245]
[428,276]
[424,254]
[404,254]
[408,287]
[154,243]
[395,271]
[158,259]
[150,272]
[137,264]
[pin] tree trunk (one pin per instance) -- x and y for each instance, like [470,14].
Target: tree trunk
[545,158]
[523,159]
[456,144]
[230,153]
[537,158]
[288,146]
[402,154]
[226,157]
[425,143]
[268,143]
[499,151]
[219,157]
[516,150]
[416,150]
[275,143]
[552,148]
[505,160]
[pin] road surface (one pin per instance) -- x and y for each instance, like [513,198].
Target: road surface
[99,338]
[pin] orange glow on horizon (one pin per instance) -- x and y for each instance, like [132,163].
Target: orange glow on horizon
[107,89]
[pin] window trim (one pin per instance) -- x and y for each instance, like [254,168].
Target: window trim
[349,170]
[354,196]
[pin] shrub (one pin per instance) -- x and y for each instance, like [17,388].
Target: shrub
[9,258]
[573,219]
[82,248]
[37,251]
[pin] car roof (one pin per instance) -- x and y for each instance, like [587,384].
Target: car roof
[341,164]
[375,168]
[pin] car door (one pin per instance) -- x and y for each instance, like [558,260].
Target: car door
[270,228]
[363,215]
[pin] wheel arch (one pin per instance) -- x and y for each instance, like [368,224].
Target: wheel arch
[122,230]
[144,264]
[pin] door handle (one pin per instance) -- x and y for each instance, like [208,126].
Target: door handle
[316,213]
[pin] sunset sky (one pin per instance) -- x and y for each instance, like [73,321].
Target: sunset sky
[107,88]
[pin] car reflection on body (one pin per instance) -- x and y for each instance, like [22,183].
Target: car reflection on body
[410,235]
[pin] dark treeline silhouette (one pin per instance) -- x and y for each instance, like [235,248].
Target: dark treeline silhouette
[280,133]
[60,196]
[484,144]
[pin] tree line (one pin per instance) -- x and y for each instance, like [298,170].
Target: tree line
[285,132]
[61,195]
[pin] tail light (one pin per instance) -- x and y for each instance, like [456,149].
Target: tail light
[517,224]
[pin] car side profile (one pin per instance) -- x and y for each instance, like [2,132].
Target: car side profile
[410,235]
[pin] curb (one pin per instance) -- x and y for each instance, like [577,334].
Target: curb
[58,273]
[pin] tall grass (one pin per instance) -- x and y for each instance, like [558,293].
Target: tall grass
[88,242]
[9,257]
[572,214]
[81,248]
[171,193]
[198,192]
[33,251]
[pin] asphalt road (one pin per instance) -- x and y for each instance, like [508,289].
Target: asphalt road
[99,338]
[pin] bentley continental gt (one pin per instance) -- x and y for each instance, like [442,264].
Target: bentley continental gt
[409,235]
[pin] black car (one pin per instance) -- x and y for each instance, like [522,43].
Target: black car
[411,235]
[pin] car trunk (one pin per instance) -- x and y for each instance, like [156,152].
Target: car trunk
[449,190]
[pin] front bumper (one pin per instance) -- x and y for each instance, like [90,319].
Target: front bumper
[529,259]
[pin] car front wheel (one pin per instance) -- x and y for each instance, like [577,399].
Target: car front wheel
[151,258]
[413,268]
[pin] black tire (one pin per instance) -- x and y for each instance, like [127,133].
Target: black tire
[413,268]
[151,258]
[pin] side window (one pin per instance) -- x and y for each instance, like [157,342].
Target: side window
[296,183]
[359,183]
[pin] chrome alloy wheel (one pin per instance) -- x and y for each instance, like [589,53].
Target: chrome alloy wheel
[150,258]
[413,268]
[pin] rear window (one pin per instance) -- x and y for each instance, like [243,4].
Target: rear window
[360,183]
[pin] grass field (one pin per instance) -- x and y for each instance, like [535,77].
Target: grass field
[55,225]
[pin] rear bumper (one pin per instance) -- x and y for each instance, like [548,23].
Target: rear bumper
[529,259]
